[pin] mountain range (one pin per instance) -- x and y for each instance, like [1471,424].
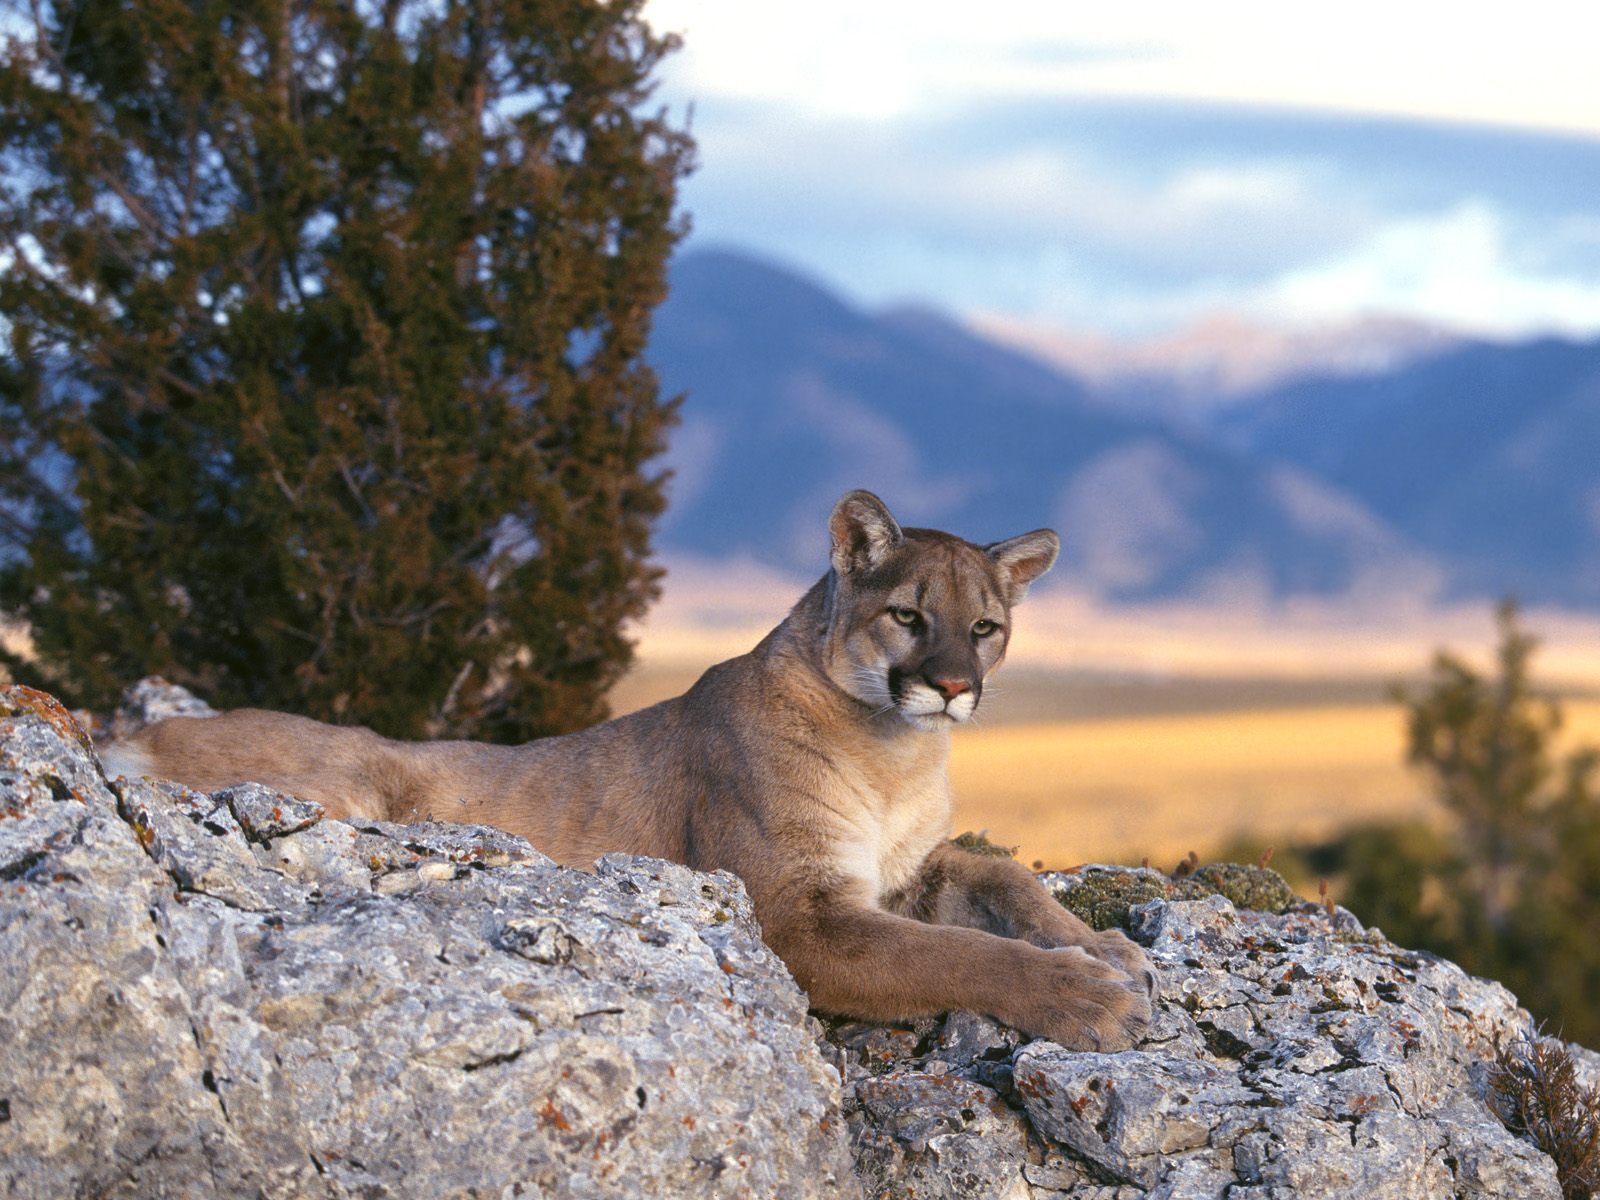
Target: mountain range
[1487,455]
[1457,468]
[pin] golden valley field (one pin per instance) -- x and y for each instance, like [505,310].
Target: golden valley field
[1119,789]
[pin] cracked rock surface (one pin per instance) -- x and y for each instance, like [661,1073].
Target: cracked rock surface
[226,995]
[229,995]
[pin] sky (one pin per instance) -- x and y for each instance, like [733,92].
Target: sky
[1130,170]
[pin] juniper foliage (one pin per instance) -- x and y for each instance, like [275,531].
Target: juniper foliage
[1535,1091]
[323,387]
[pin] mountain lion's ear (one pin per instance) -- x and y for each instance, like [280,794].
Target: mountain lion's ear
[1023,559]
[863,532]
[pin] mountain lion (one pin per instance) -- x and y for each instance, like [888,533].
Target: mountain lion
[813,767]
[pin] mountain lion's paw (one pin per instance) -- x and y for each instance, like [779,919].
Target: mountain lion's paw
[1116,948]
[1082,1002]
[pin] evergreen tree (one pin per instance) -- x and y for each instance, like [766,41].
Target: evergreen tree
[323,387]
[1487,742]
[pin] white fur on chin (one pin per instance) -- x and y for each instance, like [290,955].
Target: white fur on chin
[925,709]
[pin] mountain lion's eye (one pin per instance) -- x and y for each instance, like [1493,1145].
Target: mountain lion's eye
[906,616]
[983,628]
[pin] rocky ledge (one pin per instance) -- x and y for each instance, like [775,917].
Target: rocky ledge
[229,995]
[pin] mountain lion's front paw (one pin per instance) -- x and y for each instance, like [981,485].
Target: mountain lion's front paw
[1081,1001]
[1116,948]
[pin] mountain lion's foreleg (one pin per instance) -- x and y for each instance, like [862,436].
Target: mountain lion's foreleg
[864,962]
[983,891]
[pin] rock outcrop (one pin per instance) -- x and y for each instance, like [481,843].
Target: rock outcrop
[1293,1057]
[226,995]
[230,995]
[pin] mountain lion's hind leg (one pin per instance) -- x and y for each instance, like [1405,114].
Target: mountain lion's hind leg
[999,894]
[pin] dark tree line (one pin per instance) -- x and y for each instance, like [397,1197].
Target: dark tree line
[323,384]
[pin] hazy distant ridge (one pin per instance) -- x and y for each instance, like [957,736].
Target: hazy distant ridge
[795,396]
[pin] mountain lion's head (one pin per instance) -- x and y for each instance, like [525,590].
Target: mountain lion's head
[918,618]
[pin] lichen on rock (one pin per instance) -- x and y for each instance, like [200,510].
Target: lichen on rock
[17,700]
[1104,896]
[1250,888]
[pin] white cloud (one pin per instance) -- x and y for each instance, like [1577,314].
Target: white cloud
[1466,266]
[874,185]
[1232,219]
[1534,68]
[1050,189]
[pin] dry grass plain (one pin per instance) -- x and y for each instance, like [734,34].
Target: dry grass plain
[1160,785]
[1117,735]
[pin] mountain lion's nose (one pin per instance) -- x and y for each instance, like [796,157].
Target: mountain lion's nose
[950,688]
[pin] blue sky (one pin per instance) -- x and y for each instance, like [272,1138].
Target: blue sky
[1065,169]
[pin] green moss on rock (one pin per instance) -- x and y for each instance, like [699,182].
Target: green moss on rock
[979,843]
[1251,889]
[1104,896]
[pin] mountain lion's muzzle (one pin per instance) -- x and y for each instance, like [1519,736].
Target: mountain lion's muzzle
[938,687]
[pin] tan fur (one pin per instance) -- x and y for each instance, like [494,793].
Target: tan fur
[814,767]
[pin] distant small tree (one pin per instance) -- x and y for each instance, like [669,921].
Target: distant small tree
[1513,892]
[323,386]
[1486,741]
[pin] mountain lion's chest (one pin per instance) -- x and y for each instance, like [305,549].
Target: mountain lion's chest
[893,829]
